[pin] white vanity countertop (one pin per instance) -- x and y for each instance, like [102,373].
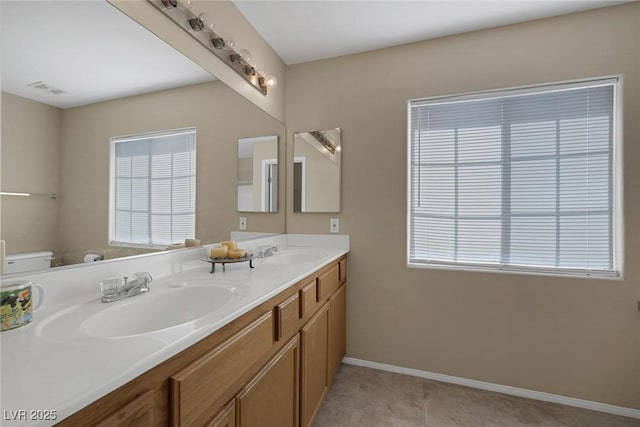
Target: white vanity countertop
[50,365]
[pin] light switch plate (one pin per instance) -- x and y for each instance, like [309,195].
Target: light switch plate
[243,223]
[334,225]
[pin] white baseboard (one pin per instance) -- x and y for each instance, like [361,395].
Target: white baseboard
[515,391]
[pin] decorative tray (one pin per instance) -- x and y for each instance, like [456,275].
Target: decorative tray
[213,261]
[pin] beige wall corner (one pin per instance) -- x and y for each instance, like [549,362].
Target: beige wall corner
[228,20]
[31,150]
[573,337]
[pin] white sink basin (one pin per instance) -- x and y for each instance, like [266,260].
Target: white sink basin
[152,312]
[158,310]
[294,257]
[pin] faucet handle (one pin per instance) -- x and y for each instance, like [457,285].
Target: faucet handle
[145,276]
[111,285]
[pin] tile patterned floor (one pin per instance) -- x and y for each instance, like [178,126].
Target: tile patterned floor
[363,397]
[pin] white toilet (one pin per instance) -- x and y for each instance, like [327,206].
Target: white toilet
[27,261]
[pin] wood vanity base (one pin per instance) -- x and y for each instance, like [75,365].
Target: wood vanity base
[268,368]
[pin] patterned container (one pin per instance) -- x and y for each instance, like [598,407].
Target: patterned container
[16,304]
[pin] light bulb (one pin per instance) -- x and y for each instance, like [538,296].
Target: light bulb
[183,4]
[245,55]
[207,24]
[270,81]
[229,43]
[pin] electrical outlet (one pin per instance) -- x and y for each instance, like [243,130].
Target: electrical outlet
[334,225]
[243,223]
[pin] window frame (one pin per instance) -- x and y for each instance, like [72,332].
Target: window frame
[112,177]
[617,217]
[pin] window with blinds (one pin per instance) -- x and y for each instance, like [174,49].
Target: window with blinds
[153,188]
[519,180]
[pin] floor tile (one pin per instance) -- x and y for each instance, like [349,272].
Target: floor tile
[364,397]
[585,418]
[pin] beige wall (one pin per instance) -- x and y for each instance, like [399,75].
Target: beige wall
[220,117]
[31,133]
[574,337]
[228,21]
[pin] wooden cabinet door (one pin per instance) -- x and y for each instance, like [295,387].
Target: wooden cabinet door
[137,413]
[337,330]
[271,398]
[313,381]
[203,387]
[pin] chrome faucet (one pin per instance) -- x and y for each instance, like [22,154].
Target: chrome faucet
[268,251]
[117,289]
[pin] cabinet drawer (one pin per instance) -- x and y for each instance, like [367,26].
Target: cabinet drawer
[343,270]
[308,298]
[328,282]
[287,317]
[137,413]
[200,387]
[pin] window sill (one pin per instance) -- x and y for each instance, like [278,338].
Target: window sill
[137,245]
[617,275]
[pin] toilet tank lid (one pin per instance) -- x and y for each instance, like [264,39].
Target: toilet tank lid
[26,255]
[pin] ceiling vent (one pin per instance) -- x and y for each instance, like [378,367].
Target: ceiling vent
[44,86]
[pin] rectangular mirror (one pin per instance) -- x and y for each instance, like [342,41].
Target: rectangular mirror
[316,171]
[258,174]
[84,84]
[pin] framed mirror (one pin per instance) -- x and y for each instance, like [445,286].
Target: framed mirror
[316,171]
[67,95]
[257,179]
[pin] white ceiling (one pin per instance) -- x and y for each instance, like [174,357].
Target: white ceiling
[94,53]
[89,49]
[302,31]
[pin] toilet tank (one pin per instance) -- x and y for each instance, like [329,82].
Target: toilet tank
[27,261]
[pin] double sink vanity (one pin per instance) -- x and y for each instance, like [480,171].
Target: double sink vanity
[243,347]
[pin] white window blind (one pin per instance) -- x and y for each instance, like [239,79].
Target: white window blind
[520,180]
[154,188]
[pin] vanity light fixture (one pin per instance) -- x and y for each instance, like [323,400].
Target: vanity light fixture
[202,23]
[218,43]
[181,4]
[269,81]
[242,57]
[326,142]
[201,27]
